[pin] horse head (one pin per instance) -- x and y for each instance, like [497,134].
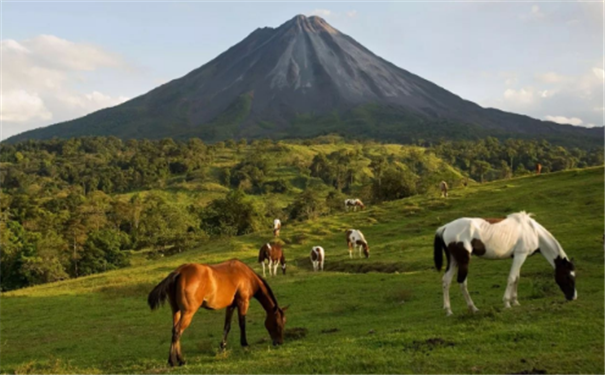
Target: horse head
[275,324]
[565,276]
[366,249]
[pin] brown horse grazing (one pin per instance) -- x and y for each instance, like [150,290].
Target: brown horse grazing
[228,285]
[538,168]
[274,254]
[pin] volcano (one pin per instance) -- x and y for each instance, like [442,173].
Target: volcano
[301,79]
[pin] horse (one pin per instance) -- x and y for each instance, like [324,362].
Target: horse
[443,188]
[317,258]
[229,285]
[517,236]
[276,227]
[354,203]
[355,239]
[274,254]
[538,168]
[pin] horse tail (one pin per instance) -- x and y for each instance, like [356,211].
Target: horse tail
[158,295]
[438,249]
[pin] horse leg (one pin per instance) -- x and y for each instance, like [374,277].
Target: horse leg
[513,278]
[447,281]
[263,263]
[275,268]
[242,310]
[350,249]
[228,316]
[463,258]
[178,332]
[314,266]
[270,266]
[176,317]
[469,302]
[322,265]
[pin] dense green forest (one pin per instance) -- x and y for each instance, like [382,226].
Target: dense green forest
[85,205]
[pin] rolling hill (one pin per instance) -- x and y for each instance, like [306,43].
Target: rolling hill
[305,78]
[380,315]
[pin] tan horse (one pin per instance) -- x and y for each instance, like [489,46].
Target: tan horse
[443,187]
[538,168]
[228,285]
[274,254]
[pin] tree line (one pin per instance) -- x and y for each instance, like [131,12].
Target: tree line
[80,206]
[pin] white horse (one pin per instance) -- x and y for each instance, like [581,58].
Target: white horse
[355,239]
[317,258]
[276,227]
[518,236]
[354,203]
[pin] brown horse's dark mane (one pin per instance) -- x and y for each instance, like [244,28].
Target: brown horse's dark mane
[269,291]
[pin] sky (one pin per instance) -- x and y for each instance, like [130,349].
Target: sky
[63,60]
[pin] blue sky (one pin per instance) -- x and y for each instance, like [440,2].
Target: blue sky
[63,60]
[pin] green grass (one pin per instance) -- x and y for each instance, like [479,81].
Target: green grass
[380,315]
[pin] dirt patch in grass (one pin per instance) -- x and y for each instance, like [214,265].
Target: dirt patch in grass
[296,333]
[429,344]
[329,330]
[532,371]
[365,267]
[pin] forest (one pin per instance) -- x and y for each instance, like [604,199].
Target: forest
[85,205]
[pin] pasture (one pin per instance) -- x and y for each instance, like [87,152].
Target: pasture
[378,315]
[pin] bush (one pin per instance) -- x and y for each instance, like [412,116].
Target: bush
[235,214]
[307,205]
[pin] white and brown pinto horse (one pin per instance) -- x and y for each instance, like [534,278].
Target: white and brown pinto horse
[274,255]
[354,203]
[517,236]
[318,256]
[276,227]
[356,240]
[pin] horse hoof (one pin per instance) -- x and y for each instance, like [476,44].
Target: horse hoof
[182,363]
[474,310]
[516,303]
[449,313]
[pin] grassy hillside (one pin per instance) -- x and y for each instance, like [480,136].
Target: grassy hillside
[378,315]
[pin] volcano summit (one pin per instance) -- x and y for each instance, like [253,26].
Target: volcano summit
[305,78]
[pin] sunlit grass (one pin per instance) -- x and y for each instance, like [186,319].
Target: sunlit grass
[379,315]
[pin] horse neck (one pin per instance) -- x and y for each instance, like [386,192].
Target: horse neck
[263,296]
[550,248]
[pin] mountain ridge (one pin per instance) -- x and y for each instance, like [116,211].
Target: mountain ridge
[303,67]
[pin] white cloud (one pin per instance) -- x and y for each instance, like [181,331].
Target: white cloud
[321,12]
[565,120]
[21,106]
[523,97]
[551,77]
[534,14]
[599,73]
[351,14]
[43,79]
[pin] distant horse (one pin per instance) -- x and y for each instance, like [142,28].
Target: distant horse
[355,239]
[317,258]
[226,285]
[354,203]
[276,227]
[274,255]
[443,188]
[538,168]
[517,236]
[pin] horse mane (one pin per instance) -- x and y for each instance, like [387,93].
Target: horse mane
[269,291]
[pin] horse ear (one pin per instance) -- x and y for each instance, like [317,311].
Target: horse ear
[285,308]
